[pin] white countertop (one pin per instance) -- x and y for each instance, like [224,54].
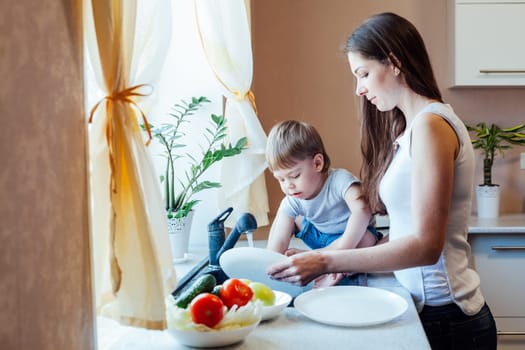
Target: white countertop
[290,330]
[509,223]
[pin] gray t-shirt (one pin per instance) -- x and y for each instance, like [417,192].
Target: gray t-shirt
[328,211]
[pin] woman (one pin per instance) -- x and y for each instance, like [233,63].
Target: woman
[418,168]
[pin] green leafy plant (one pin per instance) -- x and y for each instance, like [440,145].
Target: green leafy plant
[179,191]
[493,139]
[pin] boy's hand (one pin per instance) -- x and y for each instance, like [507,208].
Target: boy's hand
[293,251]
[327,280]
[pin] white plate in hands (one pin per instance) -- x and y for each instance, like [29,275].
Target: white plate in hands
[351,305]
[251,263]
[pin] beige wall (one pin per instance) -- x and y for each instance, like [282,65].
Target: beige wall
[301,73]
[45,283]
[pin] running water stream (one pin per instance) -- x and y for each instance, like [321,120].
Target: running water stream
[249,238]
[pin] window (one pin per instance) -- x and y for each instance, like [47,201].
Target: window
[185,73]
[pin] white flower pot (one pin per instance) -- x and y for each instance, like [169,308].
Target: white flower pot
[179,236]
[488,201]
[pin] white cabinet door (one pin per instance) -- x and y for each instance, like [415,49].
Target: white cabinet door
[500,262]
[489,47]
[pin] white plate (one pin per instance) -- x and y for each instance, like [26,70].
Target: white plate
[282,300]
[351,305]
[211,339]
[251,263]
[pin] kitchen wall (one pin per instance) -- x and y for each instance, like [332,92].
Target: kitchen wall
[300,72]
[45,275]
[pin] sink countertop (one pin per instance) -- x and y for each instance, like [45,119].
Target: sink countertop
[405,332]
[508,223]
[289,330]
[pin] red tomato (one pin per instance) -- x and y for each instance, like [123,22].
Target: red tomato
[235,291]
[207,309]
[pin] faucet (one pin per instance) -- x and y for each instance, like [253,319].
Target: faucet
[218,243]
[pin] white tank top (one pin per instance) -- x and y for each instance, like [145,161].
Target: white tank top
[450,279]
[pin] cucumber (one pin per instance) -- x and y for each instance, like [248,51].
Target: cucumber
[203,284]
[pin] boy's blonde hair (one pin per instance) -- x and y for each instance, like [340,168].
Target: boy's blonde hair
[290,141]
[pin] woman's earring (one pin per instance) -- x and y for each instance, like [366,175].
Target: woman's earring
[396,71]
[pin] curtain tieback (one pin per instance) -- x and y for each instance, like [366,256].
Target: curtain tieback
[126,96]
[251,97]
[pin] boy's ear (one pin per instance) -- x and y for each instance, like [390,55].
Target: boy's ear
[318,162]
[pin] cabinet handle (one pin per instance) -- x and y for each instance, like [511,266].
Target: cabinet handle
[508,247]
[502,71]
[510,333]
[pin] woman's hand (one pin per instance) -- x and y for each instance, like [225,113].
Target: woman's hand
[299,269]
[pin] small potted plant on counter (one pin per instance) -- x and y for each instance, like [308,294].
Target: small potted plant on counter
[492,140]
[180,186]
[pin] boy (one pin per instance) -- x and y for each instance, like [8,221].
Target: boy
[323,207]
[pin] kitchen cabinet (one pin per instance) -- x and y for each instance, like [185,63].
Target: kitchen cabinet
[489,44]
[498,255]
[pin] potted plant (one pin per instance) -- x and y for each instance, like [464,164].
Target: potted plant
[491,140]
[179,190]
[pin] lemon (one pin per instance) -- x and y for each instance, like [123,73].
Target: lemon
[263,293]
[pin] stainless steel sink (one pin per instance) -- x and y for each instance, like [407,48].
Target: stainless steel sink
[203,267]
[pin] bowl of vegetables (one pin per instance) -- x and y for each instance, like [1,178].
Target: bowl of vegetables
[210,315]
[239,324]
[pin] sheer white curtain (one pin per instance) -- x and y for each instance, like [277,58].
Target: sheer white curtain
[127,41]
[225,35]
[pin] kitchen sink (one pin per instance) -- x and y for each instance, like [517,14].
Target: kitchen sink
[203,267]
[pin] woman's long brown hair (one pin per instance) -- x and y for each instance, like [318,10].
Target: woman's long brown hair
[389,39]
